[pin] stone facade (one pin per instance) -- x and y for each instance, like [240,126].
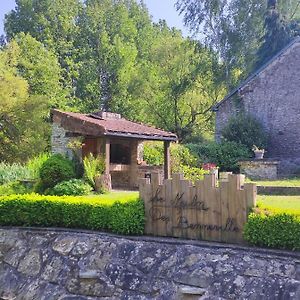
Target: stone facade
[259,169]
[273,97]
[60,141]
[64,265]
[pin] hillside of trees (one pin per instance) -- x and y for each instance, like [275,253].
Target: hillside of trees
[90,55]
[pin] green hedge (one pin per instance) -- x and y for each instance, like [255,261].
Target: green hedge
[124,216]
[280,230]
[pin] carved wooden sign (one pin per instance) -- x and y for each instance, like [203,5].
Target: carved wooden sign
[203,211]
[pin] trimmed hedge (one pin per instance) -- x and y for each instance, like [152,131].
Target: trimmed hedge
[119,216]
[279,230]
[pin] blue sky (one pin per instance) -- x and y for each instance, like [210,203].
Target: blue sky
[159,9]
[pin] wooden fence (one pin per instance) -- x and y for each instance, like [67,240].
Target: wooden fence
[203,211]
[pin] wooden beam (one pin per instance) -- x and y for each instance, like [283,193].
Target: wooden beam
[107,155]
[167,160]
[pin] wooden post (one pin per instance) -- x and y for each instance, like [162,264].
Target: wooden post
[167,164]
[107,155]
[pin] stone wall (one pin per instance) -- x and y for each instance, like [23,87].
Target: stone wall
[41,264]
[60,141]
[273,97]
[259,169]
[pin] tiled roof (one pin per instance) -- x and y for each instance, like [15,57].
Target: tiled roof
[93,124]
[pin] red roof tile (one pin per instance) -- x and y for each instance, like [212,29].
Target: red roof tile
[93,124]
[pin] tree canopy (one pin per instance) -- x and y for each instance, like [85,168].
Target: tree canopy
[110,55]
[240,30]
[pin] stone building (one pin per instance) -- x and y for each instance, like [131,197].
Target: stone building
[271,95]
[117,139]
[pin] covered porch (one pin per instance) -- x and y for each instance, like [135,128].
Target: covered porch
[118,140]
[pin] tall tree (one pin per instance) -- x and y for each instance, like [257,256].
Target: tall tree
[41,69]
[234,29]
[23,131]
[277,34]
[53,23]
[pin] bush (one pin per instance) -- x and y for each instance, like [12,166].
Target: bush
[182,159]
[93,166]
[245,130]
[273,230]
[35,164]
[193,174]
[225,155]
[54,170]
[13,172]
[15,187]
[125,216]
[153,153]
[73,187]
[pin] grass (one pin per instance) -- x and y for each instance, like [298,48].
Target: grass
[121,196]
[286,204]
[291,182]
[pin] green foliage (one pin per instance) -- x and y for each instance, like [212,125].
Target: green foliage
[40,68]
[24,132]
[182,159]
[180,155]
[113,56]
[193,174]
[246,130]
[277,34]
[93,166]
[225,155]
[13,172]
[273,230]
[153,153]
[34,164]
[14,187]
[73,187]
[55,170]
[237,28]
[124,216]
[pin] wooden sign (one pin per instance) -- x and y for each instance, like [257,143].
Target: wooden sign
[203,211]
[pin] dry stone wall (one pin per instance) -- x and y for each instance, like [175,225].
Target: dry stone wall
[65,265]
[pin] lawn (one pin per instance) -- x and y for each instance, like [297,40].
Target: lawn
[121,196]
[291,182]
[288,204]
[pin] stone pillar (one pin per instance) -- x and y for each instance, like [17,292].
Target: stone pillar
[167,160]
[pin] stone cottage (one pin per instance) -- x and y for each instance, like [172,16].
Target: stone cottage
[109,135]
[271,95]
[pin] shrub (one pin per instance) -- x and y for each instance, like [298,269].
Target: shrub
[246,130]
[34,165]
[193,174]
[225,155]
[153,153]
[13,172]
[273,230]
[124,216]
[15,187]
[93,166]
[73,187]
[54,170]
